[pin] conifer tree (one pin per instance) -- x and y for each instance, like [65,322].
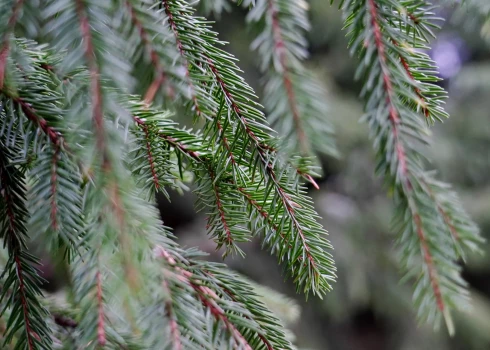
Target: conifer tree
[87,141]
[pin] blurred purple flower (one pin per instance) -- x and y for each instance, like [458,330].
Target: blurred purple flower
[449,52]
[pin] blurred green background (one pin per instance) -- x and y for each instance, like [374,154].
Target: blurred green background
[369,308]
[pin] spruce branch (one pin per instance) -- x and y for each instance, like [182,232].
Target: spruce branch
[241,116]
[60,111]
[311,266]
[20,275]
[174,327]
[257,329]
[95,88]
[56,194]
[393,116]
[293,98]
[161,76]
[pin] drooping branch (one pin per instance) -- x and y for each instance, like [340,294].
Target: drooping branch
[161,75]
[95,87]
[174,327]
[22,277]
[403,170]
[294,235]
[280,48]
[173,26]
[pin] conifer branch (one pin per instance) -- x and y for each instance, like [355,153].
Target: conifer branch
[293,98]
[241,112]
[280,48]
[303,170]
[5,40]
[161,76]
[59,111]
[20,275]
[174,327]
[95,88]
[393,116]
[208,298]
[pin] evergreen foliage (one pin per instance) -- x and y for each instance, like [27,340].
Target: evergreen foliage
[87,141]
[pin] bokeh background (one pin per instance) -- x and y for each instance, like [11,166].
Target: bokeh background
[369,308]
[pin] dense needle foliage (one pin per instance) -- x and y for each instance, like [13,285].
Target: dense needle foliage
[87,141]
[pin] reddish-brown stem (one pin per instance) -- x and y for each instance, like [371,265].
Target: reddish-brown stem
[413,18]
[54,177]
[30,113]
[445,216]
[393,112]
[130,273]
[23,299]
[208,298]
[280,49]
[448,222]
[100,134]
[54,136]
[429,263]
[226,143]
[181,147]
[172,141]
[101,337]
[4,52]
[150,157]
[194,98]
[266,216]
[233,297]
[5,46]
[402,166]
[182,54]
[236,109]
[173,25]
[95,88]
[221,210]
[174,327]
[418,92]
[161,76]
[288,203]
[308,178]
[15,250]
